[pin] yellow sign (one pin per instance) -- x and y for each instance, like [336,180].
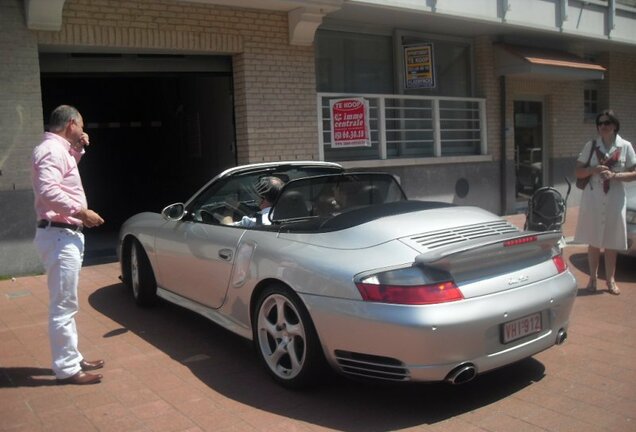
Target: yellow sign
[418,66]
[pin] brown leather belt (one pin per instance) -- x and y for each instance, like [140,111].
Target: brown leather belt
[45,224]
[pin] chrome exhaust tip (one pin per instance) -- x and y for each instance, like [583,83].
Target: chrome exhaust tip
[462,374]
[562,335]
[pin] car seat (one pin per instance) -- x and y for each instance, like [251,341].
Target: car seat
[290,205]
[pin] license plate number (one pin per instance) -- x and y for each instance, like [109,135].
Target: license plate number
[521,327]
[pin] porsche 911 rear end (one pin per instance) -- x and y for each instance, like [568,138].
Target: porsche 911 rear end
[475,298]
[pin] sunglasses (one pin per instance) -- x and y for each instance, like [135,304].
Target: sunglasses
[605,123]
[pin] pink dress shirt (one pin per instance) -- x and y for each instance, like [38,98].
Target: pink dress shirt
[56,180]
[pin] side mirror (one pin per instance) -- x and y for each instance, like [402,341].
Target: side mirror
[174,212]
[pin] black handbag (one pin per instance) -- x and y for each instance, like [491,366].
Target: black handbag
[582,182]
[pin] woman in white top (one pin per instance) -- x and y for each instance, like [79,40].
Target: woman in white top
[602,211]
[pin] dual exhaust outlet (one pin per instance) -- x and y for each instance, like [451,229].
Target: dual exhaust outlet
[465,372]
[461,374]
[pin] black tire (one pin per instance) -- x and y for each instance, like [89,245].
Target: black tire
[285,339]
[141,279]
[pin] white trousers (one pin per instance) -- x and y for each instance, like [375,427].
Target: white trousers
[62,251]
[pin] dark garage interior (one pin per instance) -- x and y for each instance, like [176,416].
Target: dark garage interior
[155,139]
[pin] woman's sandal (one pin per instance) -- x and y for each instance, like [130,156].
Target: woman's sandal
[591,286]
[612,288]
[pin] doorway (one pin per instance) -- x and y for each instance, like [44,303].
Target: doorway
[529,148]
[155,139]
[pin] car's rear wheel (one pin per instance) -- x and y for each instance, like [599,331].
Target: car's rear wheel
[285,338]
[142,279]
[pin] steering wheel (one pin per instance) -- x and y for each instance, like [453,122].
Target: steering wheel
[215,213]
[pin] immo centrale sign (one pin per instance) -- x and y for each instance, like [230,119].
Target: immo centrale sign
[350,123]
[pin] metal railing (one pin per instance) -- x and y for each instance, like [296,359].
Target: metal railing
[410,127]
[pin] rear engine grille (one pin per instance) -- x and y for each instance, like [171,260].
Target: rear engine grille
[371,366]
[435,239]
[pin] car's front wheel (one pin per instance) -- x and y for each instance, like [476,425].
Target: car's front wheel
[285,338]
[142,279]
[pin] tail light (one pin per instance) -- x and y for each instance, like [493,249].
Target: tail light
[559,263]
[409,286]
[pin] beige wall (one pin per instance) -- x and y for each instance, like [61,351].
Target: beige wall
[20,101]
[487,86]
[20,129]
[565,128]
[274,81]
[621,80]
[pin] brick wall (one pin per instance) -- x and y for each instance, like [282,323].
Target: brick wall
[274,81]
[20,130]
[487,86]
[20,104]
[622,92]
[565,129]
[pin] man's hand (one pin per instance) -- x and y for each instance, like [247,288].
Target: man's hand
[89,218]
[82,142]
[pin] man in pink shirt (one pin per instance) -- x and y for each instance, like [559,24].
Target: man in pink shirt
[62,212]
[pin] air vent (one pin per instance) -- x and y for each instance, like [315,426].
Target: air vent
[371,366]
[436,239]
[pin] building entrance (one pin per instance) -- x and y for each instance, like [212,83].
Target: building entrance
[155,139]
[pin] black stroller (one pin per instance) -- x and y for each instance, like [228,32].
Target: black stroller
[547,209]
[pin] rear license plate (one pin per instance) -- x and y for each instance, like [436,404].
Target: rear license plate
[521,327]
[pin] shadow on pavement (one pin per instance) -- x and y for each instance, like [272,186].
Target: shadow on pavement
[227,364]
[26,377]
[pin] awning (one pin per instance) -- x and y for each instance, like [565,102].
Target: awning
[538,63]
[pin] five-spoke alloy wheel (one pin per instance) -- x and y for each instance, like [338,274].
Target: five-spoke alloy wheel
[285,337]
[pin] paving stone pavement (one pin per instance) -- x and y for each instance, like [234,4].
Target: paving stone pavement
[168,369]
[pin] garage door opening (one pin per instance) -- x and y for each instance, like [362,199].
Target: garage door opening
[155,139]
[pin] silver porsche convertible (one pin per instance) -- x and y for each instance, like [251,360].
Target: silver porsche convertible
[347,272]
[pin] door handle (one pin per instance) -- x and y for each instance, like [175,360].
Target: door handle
[226,254]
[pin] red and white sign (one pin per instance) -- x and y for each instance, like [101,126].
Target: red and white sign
[350,123]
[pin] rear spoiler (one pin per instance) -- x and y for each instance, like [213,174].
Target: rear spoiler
[498,251]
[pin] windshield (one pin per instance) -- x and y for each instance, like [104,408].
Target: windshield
[237,194]
[329,195]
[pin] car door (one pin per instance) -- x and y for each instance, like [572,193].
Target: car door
[195,260]
[195,255]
